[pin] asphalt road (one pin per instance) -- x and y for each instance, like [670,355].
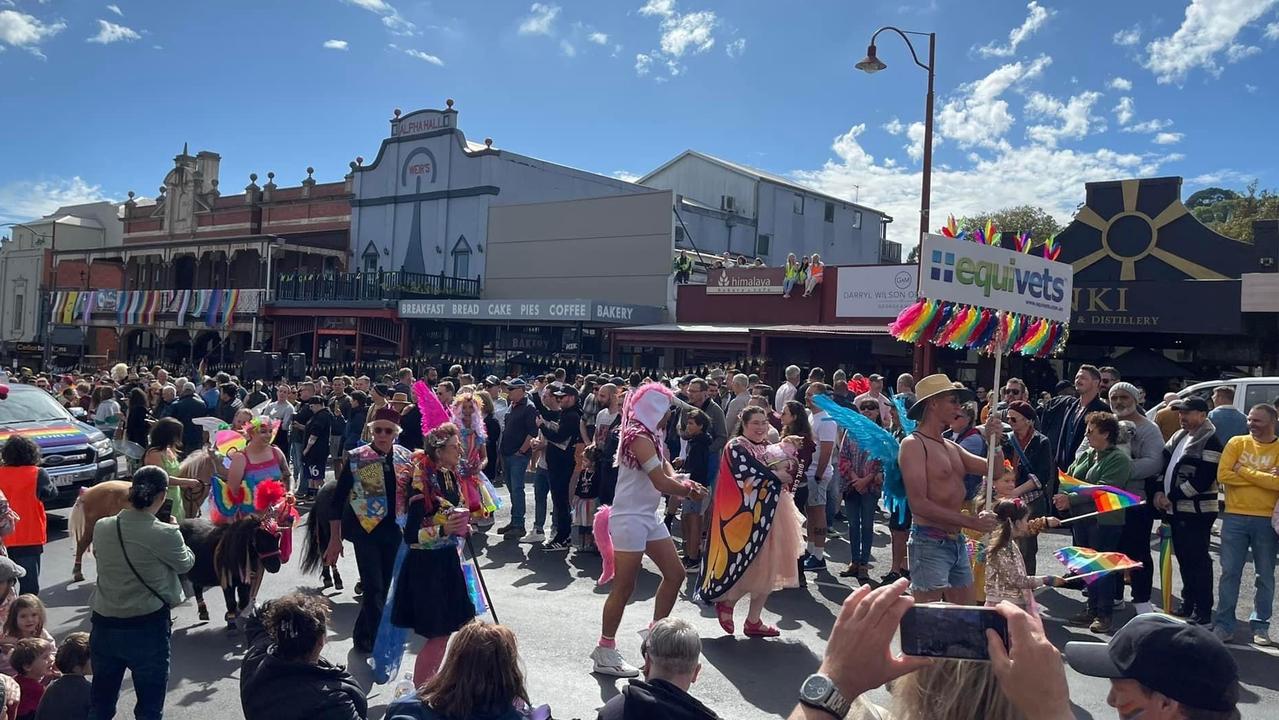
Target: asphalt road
[551,602]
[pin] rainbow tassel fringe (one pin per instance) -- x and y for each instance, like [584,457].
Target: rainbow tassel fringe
[957,326]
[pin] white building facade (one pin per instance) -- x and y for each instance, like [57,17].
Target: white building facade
[726,207]
[422,205]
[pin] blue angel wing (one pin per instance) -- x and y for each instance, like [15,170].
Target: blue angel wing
[878,442]
[908,425]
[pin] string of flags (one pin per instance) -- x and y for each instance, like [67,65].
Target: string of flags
[140,307]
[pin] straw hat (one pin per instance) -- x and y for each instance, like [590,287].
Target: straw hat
[932,386]
[399,399]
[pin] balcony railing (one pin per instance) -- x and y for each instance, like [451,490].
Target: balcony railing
[377,286]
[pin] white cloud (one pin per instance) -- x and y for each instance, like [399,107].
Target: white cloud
[1036,16]
[643,64]
[1168,138]
[1075,117]
[109,32]
[626,176]
[658,8]
[391,18]
[978,116]
[1209,28]
[26,31]
[1124,111]
[1149,126]
[1235,53]
[116,9]
[894,127]
[1118,83]
[1052,178]
[598,38]
[31,199]
[335,44]
[568,49]
[426,57]
[915,133]
[1224,176]
[1252,89]
[541,21]
[736,47]
[1272,31]
[693,31]
[1128,37]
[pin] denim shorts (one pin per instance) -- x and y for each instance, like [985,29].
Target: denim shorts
[938,560]
[818,489]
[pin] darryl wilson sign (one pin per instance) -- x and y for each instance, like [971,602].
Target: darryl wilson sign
[998,278]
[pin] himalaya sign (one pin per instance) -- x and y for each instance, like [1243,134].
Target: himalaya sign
[993,277]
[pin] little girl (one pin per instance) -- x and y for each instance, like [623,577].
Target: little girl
[26,620]
[1006,577]
[33,663]
[586,495]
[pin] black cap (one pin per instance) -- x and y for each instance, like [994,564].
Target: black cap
[565,390]
[384,390]
[516,383]
[492,381]
[1190,404]
[1182,662]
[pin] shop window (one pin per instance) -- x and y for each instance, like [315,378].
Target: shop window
[763,244]
[18,301]
[370,258]
[830,212]
[461,258]
[799,204]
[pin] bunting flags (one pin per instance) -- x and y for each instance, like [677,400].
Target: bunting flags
[142,307]
[215,300]
[182,308]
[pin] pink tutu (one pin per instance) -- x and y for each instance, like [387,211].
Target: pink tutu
[777,564]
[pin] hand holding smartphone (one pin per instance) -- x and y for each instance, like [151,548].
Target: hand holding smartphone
[951,631]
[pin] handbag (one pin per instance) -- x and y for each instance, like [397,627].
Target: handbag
[120,534]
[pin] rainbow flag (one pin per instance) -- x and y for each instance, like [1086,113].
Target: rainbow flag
[1089,564]
[1105,497]
[1165,565]
[55,435]
[227,440]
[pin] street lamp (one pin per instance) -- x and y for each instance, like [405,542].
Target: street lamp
[872,64]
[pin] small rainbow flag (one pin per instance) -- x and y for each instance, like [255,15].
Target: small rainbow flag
[1089,564]
[227,440]
[1106,497]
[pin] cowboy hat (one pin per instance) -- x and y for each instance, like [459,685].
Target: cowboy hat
[399,398]
[932,386]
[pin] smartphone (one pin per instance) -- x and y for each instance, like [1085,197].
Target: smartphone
[950,631]
[165,513]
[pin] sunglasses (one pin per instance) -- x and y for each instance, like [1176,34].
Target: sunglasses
[383,431]
[1012,391]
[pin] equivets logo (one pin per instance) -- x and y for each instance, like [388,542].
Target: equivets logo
[990,276]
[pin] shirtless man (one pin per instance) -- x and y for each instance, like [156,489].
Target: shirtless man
[933,471]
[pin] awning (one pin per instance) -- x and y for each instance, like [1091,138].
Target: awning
[733,336]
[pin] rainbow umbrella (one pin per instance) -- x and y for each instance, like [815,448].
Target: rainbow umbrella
[1165,564]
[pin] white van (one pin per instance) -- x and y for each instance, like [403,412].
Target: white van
[1248,392]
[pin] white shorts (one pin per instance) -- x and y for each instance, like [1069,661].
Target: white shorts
[633,533]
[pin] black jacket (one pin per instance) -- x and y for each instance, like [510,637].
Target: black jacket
[273,689]
[1065,421]
[1194,486]
[186,409]
[654,700]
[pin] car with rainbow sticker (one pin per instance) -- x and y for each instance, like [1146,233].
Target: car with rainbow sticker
[74,454]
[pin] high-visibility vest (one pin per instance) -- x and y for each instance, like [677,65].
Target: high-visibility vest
[19,485]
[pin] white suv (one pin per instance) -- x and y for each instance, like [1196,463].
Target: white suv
[1248,392]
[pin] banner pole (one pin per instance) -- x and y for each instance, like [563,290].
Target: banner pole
[990,444]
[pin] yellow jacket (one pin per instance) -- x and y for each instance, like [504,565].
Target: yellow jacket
[1254,488]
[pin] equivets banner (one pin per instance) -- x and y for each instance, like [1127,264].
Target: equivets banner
[992,277]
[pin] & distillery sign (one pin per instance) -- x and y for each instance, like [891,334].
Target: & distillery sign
[1209,307]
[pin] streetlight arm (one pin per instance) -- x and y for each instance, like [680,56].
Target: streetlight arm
[903,34]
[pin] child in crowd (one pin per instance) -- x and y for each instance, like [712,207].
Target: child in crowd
[32,660]
[1006,577]
[697,463]
[585,496]
[10,573]
[26,621]
[67,697]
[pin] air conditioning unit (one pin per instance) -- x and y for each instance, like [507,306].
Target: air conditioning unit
[727,203]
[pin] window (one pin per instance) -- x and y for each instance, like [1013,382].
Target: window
[679,234]
[883,230]
[830,212]
[799,204]
[461,258]
[17,312]
[857,218]
[1254,392]
[370,258]
[763,244]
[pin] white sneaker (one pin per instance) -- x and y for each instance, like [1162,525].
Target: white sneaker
[1142,608]
[533,537]
[1261,640]
[608,661]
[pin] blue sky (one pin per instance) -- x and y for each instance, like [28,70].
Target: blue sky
[1032,99]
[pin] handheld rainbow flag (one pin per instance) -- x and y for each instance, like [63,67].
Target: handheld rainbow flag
[1165,565]
[1089,565]
[1107,498]
[227,440]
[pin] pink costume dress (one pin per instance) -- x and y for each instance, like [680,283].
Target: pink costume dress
[776,565]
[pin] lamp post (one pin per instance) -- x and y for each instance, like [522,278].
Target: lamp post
[872,64]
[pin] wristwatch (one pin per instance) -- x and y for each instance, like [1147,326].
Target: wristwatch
[819,691]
